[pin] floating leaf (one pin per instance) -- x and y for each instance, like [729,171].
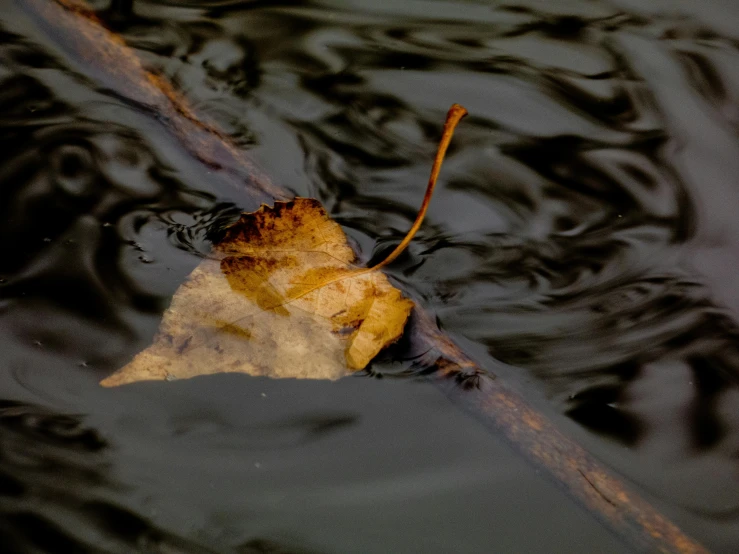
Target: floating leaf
[280,297]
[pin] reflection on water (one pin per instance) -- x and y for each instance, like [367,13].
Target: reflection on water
[585,232]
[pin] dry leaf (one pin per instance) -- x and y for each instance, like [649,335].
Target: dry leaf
[280,297]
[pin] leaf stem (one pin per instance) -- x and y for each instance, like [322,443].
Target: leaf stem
[453,117]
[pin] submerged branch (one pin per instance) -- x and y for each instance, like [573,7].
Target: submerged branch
[545,447]
[102,56]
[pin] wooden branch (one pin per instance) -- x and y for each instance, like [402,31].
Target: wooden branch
[580,475]
[107,60]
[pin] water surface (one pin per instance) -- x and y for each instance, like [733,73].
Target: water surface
[583,243]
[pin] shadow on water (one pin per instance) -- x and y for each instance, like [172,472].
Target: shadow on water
[584,233]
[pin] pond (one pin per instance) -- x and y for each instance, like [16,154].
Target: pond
[583,245]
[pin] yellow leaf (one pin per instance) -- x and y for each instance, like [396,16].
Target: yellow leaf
[260,306]
[280,297]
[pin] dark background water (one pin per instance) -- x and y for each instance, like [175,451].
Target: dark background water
[584,242]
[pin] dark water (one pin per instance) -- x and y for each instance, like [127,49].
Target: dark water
[584,241]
